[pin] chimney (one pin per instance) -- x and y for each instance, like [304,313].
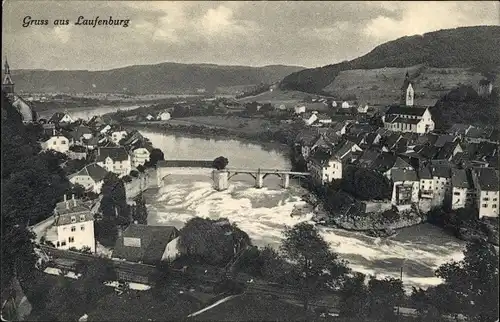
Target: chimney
[66,202]
[74,200]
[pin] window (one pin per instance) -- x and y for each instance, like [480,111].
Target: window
[72,239]
[63,243]
[82,227]
[485,205]
[494,199]
[456,193]
[58,244]
[82,217]
[73,219]
[63,141]
[54,143]
[493,206]
[486,199]
[73,228]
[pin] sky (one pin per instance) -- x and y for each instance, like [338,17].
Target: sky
[308,34]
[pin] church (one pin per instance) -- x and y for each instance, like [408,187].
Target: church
[18,102]
[406,117]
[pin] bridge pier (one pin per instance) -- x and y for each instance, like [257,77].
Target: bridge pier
[259,180]
[285,180]
[221,180]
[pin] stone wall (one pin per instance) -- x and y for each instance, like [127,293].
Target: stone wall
[139,184]
[376,206]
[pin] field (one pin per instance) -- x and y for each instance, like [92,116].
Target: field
[235,123]
[289,98]
[382,86]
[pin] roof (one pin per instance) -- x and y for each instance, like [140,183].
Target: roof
[446,152]
[484,82]
[443,139]
[342,150]
[425,172]
[399,175]
[384,161]
[487,179]
[115,153]
[321,156]
[153,241]
[404,120]
[461,179]
[368,157]
[458,129]
[57,117]
[78,149]
[80,130]
[405,110]
[441,171]
[96,172]
[306,137]
[185,163]
[65,210]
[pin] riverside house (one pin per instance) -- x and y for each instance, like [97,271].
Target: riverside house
[486,183]
[324,167]
[91,177]
[463,189]
[114,159]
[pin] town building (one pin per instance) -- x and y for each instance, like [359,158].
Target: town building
[408,119]
[324,167]
[72,226]
[117,135]
[140,154]
[363,109]
[146,244]
[485,87]
[81,133]
[77,152]
[164,116]
[426,183]
[60,117]
[56,142]
[345,105]
[406,186]
[91,177]
[487,191]
[463,189]
[114,159]
[441,175]
[299,109]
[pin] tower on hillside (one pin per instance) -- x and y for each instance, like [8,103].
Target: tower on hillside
[7,84]
[407,91]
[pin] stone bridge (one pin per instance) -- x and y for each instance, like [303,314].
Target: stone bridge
[220,177]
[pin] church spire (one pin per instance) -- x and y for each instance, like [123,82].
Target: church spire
[7,84]
[7,69]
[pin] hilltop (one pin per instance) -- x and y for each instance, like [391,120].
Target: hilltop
[150,79]
[439,60]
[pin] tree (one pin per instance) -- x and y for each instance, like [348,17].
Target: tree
[155,156]
[383,296]
[220,163]
[213,241]
[474,281]
[354,297]
[365,184]
[316,266]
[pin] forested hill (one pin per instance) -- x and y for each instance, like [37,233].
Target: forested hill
[149,79]
[466,47]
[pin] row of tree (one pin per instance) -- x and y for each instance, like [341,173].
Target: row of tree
[32,183]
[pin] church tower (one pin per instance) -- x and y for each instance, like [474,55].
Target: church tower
[7,84]
[407,91]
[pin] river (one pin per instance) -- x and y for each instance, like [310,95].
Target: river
[265,213]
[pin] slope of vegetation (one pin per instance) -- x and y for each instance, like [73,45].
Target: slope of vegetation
[467,47]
